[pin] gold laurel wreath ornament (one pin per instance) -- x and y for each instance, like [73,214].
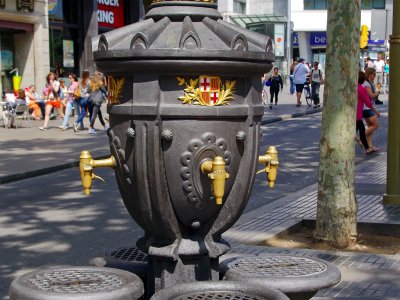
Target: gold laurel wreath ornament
[193,93]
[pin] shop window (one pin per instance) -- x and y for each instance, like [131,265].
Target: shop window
[63,50]
[239,6]
[7,59]
[64,36]
[315,4]
[373,4]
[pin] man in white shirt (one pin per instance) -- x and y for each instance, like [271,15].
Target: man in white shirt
[300,77]
[379,65]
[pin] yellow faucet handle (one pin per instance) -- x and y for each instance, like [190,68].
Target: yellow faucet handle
[86,166]
[270,159]
[215,170]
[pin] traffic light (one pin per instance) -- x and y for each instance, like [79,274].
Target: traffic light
[364,36]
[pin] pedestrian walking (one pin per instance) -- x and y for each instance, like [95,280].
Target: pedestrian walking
[51,94]
[291,77]
[363,101]
[70,100]
[96,98]
[379,65]
[300,72]
[83,101]
[371,118]
[276,85]
[386,70]
[316,78]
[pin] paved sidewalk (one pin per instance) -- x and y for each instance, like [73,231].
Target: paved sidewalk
[28,152]
[364,276]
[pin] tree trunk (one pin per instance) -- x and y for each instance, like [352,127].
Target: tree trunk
[337,206]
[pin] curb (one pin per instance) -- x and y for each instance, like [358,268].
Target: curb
[291,116]
[40,172]
[48,170]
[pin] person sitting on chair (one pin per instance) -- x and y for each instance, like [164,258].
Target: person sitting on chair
[8,114]
[35,103]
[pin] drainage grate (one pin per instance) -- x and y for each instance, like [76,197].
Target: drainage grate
[219,295]
[129,254]
[283,266]
[71,281]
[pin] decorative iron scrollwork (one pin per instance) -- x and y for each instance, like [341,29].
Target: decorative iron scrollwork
[208,145]
[120,153]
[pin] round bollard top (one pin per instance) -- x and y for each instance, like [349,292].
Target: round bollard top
[83,283]
[287,273]
[218,290]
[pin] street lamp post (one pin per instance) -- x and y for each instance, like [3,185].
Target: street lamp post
[392,195]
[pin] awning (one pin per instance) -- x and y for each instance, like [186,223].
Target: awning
[16,25]
[248,20]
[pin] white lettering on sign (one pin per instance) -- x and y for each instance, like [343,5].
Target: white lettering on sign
[320,40]
[109,2]
[105,16]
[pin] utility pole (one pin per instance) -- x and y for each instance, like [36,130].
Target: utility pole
[288,37]
[392,195]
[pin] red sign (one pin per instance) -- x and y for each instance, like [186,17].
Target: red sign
[110,13]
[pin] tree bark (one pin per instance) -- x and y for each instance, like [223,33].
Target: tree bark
[337,206]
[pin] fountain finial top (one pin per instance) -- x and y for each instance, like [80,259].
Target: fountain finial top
[177,10]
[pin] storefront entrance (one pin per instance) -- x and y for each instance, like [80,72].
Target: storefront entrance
[7,59]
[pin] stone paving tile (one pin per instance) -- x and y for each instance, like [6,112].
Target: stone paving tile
[303,206]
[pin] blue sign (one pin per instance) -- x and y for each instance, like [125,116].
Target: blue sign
[377,48]
[318,38]
[295,41]
[374,42]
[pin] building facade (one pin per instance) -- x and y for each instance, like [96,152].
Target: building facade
[24,42]
[307,25]
[309,19]
[39,36]
[269,17]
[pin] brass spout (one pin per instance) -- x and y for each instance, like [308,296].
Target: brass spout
[86,166]
[215,169]
[270,159]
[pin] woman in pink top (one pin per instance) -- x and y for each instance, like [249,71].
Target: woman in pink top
[363,100]
[73,85]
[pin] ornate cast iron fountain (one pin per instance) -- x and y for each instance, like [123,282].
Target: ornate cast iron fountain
[185,112]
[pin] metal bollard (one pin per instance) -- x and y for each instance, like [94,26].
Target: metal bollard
[80,283]
[298,277]
[219,290]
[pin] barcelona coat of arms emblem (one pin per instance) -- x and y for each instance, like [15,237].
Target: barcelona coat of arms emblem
[207,91]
